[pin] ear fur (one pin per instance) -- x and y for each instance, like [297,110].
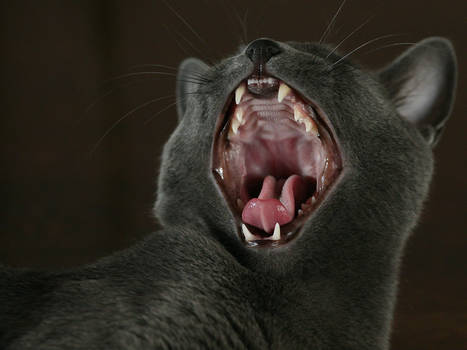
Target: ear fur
[189,73]
[422,84]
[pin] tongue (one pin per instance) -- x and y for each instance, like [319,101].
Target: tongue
[276,202]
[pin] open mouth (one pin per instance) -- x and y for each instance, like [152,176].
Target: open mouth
[274,158]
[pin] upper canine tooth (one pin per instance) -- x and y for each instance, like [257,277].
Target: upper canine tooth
[248,235]
[284,90]
[239,93]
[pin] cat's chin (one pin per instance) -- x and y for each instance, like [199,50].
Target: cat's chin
[275,157]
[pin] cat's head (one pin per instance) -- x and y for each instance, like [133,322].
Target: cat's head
[291,150]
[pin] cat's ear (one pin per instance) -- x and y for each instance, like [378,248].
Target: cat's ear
[189,73]
[422,84]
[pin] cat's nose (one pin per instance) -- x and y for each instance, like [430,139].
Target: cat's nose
[261,50]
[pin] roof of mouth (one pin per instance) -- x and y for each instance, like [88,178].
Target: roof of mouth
[274,156]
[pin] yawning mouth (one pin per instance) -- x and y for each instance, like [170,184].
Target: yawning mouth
[274,159]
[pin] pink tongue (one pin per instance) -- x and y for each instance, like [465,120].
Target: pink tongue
[267,210]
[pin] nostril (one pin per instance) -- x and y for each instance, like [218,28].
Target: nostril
[260,51]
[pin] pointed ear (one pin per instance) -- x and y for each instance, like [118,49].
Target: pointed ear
[422,84]
[189,72]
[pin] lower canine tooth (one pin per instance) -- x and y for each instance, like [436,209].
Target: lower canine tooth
[277,232]
[248,235]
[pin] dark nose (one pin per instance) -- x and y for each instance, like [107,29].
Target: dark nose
[261,50]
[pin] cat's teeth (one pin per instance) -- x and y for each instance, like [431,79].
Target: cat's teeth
[284,90]
[277,232]
[256,81]
[248,235]
[239,93]
[313,200]
[235,125]
[239,116]
[302,118]
[313,129]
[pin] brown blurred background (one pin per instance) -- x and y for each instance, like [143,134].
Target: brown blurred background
[66,201]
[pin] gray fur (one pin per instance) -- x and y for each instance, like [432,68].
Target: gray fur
[194,285]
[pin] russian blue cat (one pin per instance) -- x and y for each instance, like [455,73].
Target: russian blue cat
[286,194]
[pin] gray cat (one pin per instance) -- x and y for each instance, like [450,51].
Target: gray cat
[286,193]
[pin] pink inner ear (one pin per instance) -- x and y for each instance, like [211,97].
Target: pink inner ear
[419,93]
[422,82]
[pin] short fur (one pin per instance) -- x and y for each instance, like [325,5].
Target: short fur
[194,284]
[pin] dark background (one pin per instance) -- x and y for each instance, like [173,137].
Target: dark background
[66,202]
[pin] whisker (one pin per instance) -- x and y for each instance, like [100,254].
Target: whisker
[161,111]
[200,79]
[115,124]
[105,94]
[200,75]
[149,65]
[192,81]
[348,36]
[184,22]
[182,47]
[228,6]
[194,75]
[329,27]
[362,46]
[386,46]
[196,93]
[136,74]
[109,91]
[198,51]
[170,74]
[173,104]
[120,86]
